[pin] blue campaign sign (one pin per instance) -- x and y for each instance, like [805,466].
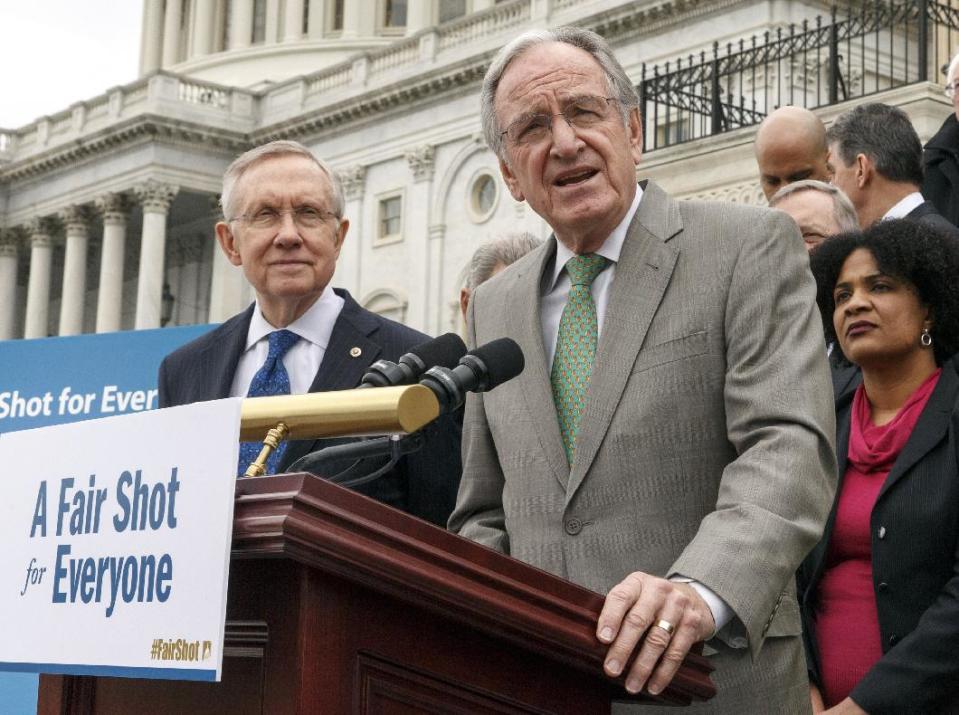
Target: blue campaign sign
[55,380]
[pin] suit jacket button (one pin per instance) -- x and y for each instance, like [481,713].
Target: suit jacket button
[882,532]
[883,587]
[574,526]
[893,639]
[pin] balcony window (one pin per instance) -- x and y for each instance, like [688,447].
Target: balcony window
[259,21]
[451,10]
[390,219]
[394,14]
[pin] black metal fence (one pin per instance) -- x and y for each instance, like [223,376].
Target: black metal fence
[859,49]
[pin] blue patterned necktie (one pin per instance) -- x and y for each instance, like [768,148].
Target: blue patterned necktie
[271,379]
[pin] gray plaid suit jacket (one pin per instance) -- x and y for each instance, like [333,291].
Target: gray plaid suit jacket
[706,447]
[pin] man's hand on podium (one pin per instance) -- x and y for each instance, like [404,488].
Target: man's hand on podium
[671,615]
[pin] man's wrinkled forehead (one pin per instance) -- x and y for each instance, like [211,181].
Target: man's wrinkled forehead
[553,68]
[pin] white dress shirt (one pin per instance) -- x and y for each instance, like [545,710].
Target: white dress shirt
[554,292]
[907,204]
[302,360]
[556,282]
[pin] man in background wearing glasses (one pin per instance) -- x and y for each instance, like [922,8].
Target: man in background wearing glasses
[941,157]
[284,226]
[670,441]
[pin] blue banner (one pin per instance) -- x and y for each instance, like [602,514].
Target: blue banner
[54,380]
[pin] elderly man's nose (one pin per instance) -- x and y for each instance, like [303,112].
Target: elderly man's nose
[287,230]
[565,138]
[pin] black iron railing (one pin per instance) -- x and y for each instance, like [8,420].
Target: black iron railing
[860,49]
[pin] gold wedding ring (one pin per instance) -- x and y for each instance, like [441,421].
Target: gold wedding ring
[666,626]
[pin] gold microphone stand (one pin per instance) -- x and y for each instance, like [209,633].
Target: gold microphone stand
[355,413]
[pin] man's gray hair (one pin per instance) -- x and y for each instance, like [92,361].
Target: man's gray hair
[953,64]
[507,249]
[884,134]
[842,208]
[271,151]
[620,86]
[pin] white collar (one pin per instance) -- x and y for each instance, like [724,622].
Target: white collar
[905,206]
[611,247]
[315,325]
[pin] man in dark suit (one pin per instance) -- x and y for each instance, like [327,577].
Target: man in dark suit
[284,225]
[876,158]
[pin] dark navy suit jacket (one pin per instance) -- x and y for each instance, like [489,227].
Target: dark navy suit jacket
[926,214]
[423,483]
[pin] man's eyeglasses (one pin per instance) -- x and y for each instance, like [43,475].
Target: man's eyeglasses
[581,113]
[306,217]
[951,89]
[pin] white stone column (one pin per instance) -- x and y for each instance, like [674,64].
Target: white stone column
[348,266]
[227,288]
[241,23]
[151,37]
[38,287]
[416,222]
[114,209]
[9,241]
[293,20]
[359,20]
[419,14]
[171,32]
[271,33]
[203,24]
[436,301]
[316,24]
[77,229]
[155,198]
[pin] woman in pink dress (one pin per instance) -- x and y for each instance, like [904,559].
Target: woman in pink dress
[880,592]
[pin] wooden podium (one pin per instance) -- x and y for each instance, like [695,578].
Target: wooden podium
[339,604]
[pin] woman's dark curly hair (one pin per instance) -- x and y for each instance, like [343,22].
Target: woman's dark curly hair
[908,251]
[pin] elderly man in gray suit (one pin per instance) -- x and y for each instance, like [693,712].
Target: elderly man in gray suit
[670,442]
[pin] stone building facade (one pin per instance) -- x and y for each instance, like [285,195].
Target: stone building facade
[107,208]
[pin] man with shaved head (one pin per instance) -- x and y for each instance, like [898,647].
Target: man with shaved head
[791,146]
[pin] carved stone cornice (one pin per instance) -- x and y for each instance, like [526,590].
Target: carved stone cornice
[114,208]
[748,192]
[136,130]
[377,102]
[353,179]
[76,219]
[421,161]
[155,196]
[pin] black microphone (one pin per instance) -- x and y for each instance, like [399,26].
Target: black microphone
[444,351]
[480,370]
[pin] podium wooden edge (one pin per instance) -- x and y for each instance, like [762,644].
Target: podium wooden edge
[326,526]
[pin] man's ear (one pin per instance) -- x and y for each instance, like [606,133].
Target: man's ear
[864,170]
[340,235]
[511,183]
[635,130]
[464,301]
[227,240]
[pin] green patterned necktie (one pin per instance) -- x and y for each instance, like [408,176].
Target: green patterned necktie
[575,347]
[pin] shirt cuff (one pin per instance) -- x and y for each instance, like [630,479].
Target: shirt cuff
[722,613]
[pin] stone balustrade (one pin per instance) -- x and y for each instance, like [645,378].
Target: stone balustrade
[223,107]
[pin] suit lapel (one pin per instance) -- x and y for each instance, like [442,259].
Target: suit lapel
[217,364]
[643,272]
[929,430]
[341,368]
[534,384]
